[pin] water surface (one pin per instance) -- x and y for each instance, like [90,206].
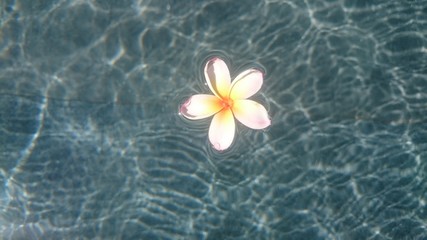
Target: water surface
[92,146]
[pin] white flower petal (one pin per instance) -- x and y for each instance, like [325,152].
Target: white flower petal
[246,84]
[222,130]
[218,77]
[251,114]
[200,106]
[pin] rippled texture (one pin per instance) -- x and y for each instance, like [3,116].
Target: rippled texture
[91,144]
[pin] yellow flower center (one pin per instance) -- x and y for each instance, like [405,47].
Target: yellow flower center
[227,103]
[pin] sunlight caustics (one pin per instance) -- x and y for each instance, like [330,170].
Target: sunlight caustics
[228,102]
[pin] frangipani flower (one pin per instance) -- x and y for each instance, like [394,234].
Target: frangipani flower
[228,102]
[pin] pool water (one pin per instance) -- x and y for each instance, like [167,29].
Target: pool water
[92,145]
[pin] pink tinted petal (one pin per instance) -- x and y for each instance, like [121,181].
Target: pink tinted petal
[222,129]
[218,77]
[246,84]
[251,114]
[200,106]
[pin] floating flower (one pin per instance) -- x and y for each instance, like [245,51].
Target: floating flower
[228,102]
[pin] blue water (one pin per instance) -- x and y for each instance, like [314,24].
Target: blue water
[92,146]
